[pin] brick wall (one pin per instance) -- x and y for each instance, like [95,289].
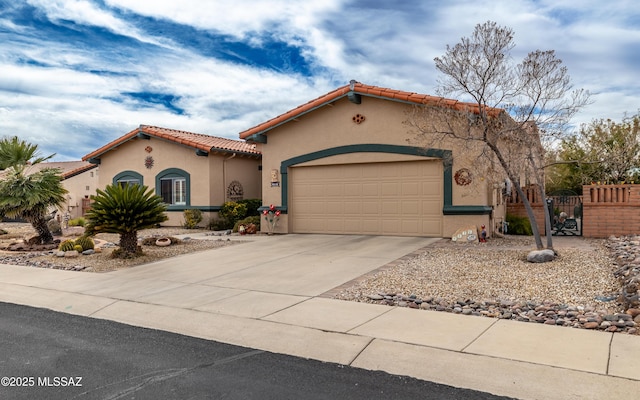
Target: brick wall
[516,207]
[610,210]
[607,209]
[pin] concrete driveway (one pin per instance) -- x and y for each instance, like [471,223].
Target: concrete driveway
[253,278]
[302,265]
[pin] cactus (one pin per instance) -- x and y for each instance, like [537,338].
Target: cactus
[86,242]
[67,245]
[78,248]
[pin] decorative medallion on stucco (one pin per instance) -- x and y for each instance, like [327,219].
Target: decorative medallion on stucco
[235,191]
[463,177]
[148,149]
[148,162]
[358,118]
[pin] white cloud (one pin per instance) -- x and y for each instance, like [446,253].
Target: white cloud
[85,12]
[60,102]
[230,16]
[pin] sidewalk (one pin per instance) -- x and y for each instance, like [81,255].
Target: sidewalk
[265,295]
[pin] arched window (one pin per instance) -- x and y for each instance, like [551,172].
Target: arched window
[173,185]
[126,178]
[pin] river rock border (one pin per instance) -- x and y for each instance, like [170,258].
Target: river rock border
[625,252]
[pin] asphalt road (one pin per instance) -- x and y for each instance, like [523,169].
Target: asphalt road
[50,355]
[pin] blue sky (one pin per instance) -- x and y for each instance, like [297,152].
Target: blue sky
[76,74]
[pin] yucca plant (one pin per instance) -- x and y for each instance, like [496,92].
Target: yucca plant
[124,209]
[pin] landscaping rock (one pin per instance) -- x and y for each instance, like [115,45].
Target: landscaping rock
[541,256]
[71,254]
[465,234]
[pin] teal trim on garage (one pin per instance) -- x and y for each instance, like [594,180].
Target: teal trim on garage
[444,155]
[467,210]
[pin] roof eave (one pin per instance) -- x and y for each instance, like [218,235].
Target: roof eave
[254,134]
[231,151]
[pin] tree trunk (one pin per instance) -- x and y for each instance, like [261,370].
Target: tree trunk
[525,200]
[129,242]
[532,217]
[539,173]
[547,218]
[39,223]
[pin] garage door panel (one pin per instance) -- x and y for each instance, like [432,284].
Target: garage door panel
[389,189]
[373,172]
[333,189]
[370,189]
[428,188]
[411,188]
[369,207]
[352,225]
[352,207]
[411,226]
[398,198]
[335,208]
[391,225]
[312,190]
[410,208]
[370,226]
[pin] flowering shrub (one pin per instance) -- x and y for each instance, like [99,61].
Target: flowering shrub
[271,216]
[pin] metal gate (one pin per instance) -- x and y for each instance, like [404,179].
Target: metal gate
[565,208]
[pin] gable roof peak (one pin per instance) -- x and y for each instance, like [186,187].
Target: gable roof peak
[353,91]
[199,141]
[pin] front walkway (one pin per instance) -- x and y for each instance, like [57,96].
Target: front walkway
[265,295]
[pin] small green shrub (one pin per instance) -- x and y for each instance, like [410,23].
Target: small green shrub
[252,206]
[230,213]
[216,224]
[67,245]
[192,218]
[77,222]
[519,225]
[254,219]
[85,242]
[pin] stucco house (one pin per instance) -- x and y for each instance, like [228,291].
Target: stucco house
[343,163]
[189,170]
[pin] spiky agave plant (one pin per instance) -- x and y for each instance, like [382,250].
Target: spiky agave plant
[125,209]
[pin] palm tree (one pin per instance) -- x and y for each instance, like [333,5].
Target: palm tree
[125,209]
[15,152]
[30,197]
[24,195]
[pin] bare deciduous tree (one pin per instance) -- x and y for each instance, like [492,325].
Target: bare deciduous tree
[514,109]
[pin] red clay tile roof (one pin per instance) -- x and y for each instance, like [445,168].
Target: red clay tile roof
[196,140]
[366,90]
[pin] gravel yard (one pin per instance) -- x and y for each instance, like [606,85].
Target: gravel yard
[498,270]
[577,289]
[101,261]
